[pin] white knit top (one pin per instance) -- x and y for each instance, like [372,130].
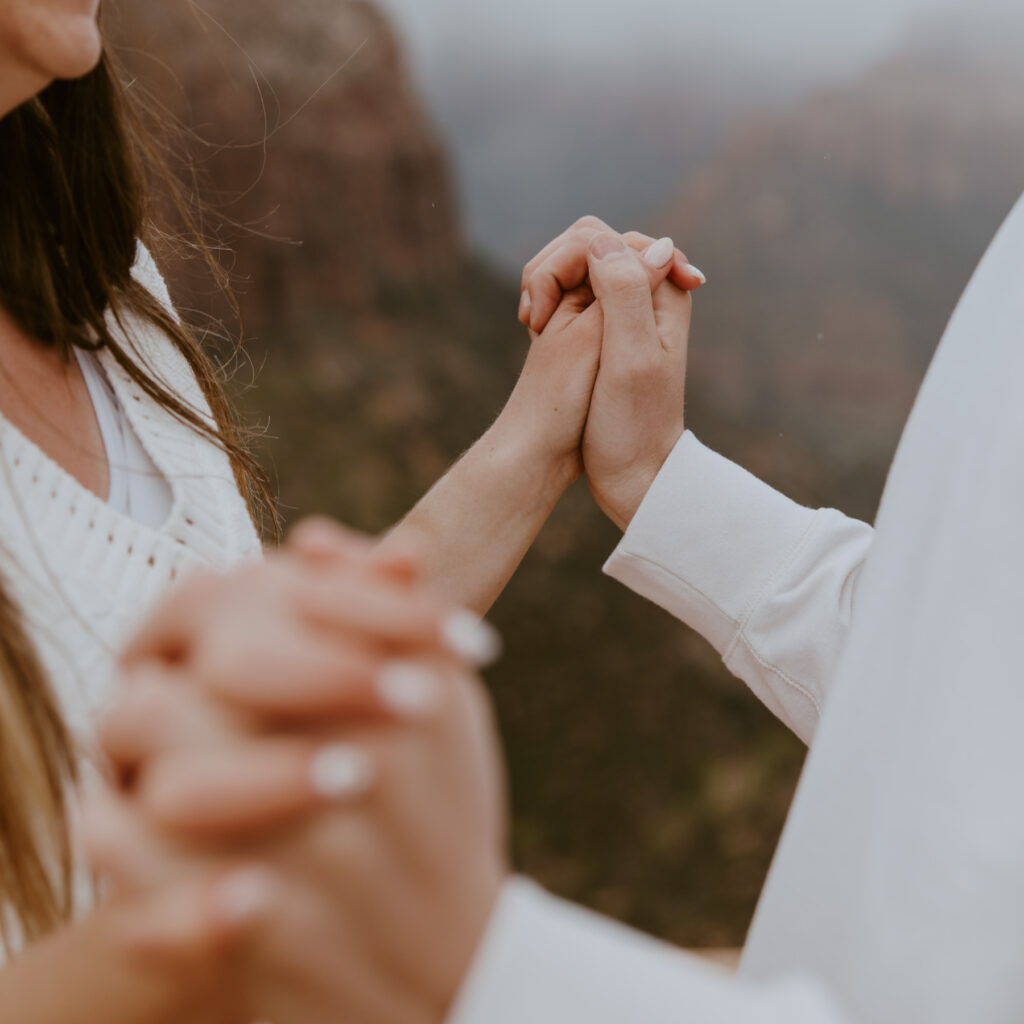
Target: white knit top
[83,572]
[137,488]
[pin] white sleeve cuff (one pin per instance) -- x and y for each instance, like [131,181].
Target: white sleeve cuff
[706,540]
[544,961]
[769,583]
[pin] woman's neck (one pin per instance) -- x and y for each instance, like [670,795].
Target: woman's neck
[44,395]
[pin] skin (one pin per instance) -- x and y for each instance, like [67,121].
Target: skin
[377,898]
[473,528]
[42,40]
[413,863]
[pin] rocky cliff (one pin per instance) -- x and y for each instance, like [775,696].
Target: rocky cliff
[308,136]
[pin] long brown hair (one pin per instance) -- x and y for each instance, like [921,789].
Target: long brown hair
[77,176]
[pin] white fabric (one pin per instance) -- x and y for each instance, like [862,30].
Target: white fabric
[137,488]
[750,570]
[84,572]
[544,961]
[898,886]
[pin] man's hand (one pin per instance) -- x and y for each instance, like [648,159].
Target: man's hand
[636,412]
[548,408]
[635,415]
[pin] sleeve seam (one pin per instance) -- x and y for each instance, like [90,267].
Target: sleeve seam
[741,635]
[773,668]
[632,556]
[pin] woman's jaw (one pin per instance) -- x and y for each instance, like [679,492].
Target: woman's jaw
[43,40]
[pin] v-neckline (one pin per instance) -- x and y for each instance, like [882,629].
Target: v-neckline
[99,505]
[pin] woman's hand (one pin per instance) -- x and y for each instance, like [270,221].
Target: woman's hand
[635,415]
[548,408]
[561,266]
[479,520]
[374,803]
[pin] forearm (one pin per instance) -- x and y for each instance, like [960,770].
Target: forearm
[474,526]
[83,975]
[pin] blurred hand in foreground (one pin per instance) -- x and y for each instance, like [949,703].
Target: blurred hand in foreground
[306,762]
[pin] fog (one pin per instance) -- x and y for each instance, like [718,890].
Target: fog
[813,38]
[554,108]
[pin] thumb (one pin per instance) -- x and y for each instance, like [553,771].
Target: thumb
[623,285]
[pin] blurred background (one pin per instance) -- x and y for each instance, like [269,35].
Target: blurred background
[385,169]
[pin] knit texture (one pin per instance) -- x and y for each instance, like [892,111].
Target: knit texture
[83,574]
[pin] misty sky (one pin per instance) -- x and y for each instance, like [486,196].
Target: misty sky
[821,37]
[525,167]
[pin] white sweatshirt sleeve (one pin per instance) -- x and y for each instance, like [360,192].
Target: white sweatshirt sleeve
[769,583]
[544,961]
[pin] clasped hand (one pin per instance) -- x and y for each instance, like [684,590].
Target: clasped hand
[602,387]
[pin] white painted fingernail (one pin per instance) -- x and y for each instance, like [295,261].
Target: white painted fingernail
[408,689]
[340,772]
[244,895]
[699,274]
[468,637]
[660,252]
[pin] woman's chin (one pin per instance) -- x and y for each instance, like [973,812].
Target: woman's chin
[79,50]
[64,46]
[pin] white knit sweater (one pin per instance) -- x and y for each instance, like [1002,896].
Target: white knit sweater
[82,573]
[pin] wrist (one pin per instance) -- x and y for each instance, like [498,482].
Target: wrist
[527,457]
[620,496]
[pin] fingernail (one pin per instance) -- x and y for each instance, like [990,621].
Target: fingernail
[340,772]
[408,689]
[605,246]
[660,252]
[244,895]
[524,307]
[691,269]
[468,637]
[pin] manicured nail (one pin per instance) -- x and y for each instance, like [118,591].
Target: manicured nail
[660,252]
[340,772]
[606,246]
[470,638]
[524,307]
[699,274]
[408,689]
[244,895]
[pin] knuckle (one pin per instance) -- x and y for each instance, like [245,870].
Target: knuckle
[224,663]
[626,278]
[637,371]
[590,223]
[163,797]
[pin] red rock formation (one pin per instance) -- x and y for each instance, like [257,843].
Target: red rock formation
[838,237]
[313,135]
